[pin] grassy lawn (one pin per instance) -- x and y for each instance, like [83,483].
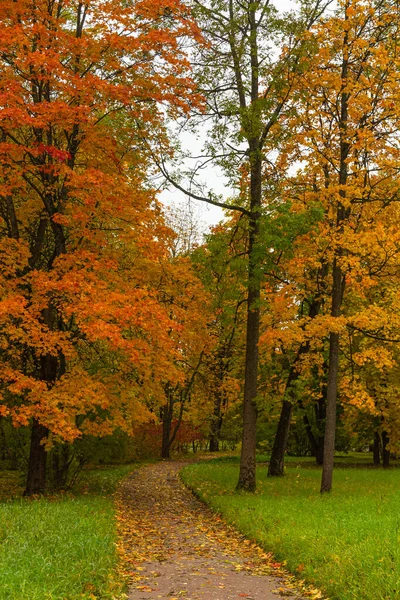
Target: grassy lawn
[346,543]
[60,548]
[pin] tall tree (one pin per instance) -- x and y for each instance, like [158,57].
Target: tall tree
[247,91]
[78,81]
[348,123]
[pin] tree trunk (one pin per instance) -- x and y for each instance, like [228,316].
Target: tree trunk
[214,443]
[61,462]
[36,478]
[342,214]
[319,454]
[276,463]
[385,451]
[377,449]
[216,424]
[320,416]
[247,473]
[330,423]
[331,387]
[252,126]
[310,434]
[3,441]
[166,428]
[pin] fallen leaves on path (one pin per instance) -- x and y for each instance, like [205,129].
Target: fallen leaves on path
[173,546]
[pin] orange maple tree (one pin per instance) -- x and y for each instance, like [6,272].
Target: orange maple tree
[82,238]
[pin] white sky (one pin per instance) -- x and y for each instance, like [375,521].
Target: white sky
[213,178]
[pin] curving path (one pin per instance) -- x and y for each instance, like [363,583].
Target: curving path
[179,549]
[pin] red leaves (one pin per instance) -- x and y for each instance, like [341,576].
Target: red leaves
[53,152]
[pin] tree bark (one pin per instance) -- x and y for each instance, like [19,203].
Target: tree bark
[3,440]
[330,423]
[214,444]
[310,434]
[61,462]
[36,478]
[247,473]
[167,411]
[49,366]
[342,214]
[320,416]
[276,463]
[216,423]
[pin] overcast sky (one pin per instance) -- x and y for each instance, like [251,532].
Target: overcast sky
[212,177]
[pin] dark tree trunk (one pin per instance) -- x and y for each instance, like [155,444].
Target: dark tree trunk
[252,128]
[216,423]
[276,463]
[319,454]
[167,411]
[385,451]
[331,387]
[338,283]
[310,434]
[8,209]
[3,441]
[377,449]
[316,441]
[330,422]
[214,443]
[320,416]
[36,479]
[247,473]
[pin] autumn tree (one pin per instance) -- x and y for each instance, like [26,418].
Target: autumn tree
[348,120]
[79,83]
[247,91]
[370,359]
[221,265]
[187,304]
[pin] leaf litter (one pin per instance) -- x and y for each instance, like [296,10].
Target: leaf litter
[173,547]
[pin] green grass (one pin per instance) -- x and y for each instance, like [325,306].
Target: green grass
[347,543]
[63,547]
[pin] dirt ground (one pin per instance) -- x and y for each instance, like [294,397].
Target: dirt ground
[178,549]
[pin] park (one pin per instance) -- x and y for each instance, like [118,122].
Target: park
[199,299]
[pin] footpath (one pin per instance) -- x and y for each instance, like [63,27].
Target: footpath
[179,549]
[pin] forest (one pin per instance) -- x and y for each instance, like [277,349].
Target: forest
[129,331]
